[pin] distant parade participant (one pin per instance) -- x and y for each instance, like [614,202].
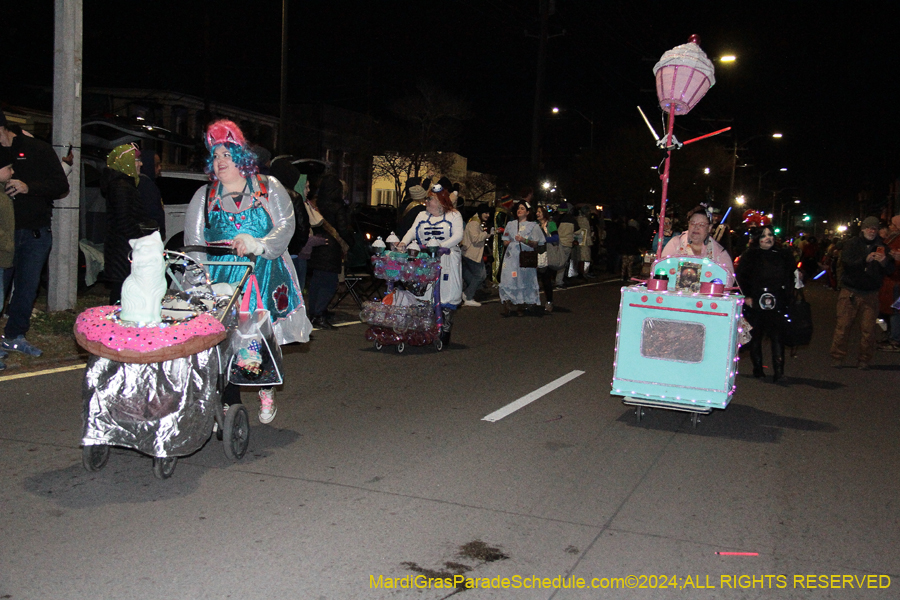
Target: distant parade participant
[519,285]
[765,273]
[440,221]
[252,214]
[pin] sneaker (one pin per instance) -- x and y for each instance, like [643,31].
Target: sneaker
[267,409]
[862,366]
[20,344]
[889,347]
[549,307]
[471,303]
[224,412]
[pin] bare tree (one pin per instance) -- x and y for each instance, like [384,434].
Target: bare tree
[428,129]
[478,185]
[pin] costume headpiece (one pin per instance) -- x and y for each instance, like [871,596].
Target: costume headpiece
[755,218]
[224,131]
[123,159]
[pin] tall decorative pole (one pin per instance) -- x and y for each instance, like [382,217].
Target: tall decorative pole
[683,76]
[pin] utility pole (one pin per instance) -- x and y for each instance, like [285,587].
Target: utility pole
[67,57]
[539,89]
[282,120]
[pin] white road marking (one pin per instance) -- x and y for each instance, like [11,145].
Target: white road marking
[529,398]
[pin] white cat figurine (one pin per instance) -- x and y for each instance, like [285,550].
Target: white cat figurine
[143,290]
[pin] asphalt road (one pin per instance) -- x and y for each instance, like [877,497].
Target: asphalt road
[379,464]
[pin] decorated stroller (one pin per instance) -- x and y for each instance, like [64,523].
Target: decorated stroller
[401,317]
[158,388]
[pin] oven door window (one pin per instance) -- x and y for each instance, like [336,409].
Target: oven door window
[678,341]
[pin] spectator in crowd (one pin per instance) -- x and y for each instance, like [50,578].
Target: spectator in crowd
[124,214]
[291,178]
[866,262]
[39,180]
[890,288]
[565,228]
[631,242]
[476,233]
[326,260]
[7,227]
[584,240]
[668,227]
[546,272]
[410,209]
[151,198]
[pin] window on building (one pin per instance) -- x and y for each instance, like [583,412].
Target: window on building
[385,197]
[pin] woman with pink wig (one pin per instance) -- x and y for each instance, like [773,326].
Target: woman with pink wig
[252,214]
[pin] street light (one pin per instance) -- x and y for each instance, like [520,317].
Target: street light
[556,110]
[776,136]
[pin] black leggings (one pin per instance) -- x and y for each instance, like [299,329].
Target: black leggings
[548,279]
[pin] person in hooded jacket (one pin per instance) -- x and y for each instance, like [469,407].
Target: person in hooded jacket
[151,197]
[765,273]
[124,214]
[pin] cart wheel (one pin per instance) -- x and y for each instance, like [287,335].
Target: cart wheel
[438,344]
[236,432]
[94,457]
[695,418]
[378,346]
[401,347]
[639,413]
[163,467]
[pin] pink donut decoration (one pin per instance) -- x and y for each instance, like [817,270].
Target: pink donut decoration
[100,334]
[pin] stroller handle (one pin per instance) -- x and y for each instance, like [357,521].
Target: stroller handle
[218,250]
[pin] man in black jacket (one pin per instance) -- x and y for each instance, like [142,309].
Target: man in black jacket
[39,180]
[865,262]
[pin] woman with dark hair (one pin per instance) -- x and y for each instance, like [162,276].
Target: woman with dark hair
[519,285]
[765,273]
[253,215]
[441,223]
[696,242]
[547,273]
[324,264]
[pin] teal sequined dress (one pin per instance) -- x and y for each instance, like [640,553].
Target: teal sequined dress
[277,278]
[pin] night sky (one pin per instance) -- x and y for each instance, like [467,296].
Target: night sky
[823,74]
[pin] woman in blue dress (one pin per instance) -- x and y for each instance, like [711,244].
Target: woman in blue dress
[519,285]
[252,214]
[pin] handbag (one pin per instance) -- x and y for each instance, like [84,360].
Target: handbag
[255,354]
[527,260]
[798,323]
[556,258]
[315,217]
[543,260]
